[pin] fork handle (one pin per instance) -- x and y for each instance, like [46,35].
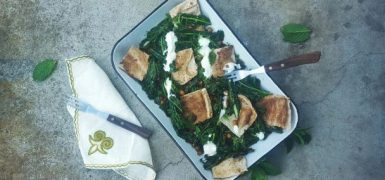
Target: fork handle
[141,131]
[294,61]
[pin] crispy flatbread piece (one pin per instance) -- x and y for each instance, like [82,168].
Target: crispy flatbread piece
[187,7]
[278,112]
[224,55]
[135,63]
[198,104]
[247,116]
[230,167]
[186,66]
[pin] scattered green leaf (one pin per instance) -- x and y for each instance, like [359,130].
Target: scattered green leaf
[289,144]
[269,168]
[44,69]
[300,136]
[262,168]
[295,33]
[258,174]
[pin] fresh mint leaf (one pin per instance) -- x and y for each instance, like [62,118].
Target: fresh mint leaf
[44,69]
[299,135]
[295,33]
[302,136]
[289,144]
[307,138]
[258,174]
[299,138]
[270,169]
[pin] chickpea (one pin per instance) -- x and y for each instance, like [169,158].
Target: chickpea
[209,29]
[200,28]
[228,135]
[162,100]
[181,93]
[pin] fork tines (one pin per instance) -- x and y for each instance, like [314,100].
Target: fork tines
[74,102]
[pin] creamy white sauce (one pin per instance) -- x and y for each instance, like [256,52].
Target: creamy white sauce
[205,52]
[236,130]
[168,85]
[260,135]
[210,148]
[224,100]
[224,104]
[171,39]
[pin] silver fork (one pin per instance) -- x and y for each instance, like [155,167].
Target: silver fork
[85,107]
[283,64]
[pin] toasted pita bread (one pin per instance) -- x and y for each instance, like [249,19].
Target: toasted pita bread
[187,7]
[198,104]
[247,116]
[135,63]
[186,66]
[224,55]
[230,167]
[278,112]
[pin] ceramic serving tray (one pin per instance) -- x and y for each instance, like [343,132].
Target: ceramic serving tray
[138,33]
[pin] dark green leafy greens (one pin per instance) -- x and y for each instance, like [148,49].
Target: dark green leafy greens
[44,69]
[295,33]
[300,136]
[258,174]
[188,29]
[261,169]
[189,20]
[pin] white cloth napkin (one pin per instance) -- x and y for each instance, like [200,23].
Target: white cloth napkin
[102,144]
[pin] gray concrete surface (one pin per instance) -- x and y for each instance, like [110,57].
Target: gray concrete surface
[342,97]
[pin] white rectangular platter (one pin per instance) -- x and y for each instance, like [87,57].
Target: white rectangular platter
[138,33]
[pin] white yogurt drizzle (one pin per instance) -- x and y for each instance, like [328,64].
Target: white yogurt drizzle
[260,135]
[171,39]
[205,52]
[210,148]
[168,85]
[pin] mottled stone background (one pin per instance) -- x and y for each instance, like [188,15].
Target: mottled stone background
[342,97]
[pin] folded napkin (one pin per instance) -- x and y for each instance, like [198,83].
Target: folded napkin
[102,144]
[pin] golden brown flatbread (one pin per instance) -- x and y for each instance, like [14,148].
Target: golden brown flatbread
[135,63]
[247,116]
[187,7]
[278,112]
[230,167]
[186,66]
[224,55]
[198,104]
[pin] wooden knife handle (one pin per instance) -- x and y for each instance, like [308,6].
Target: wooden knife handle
[294,61]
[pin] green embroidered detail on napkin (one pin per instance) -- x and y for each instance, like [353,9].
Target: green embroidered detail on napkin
[100,143]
